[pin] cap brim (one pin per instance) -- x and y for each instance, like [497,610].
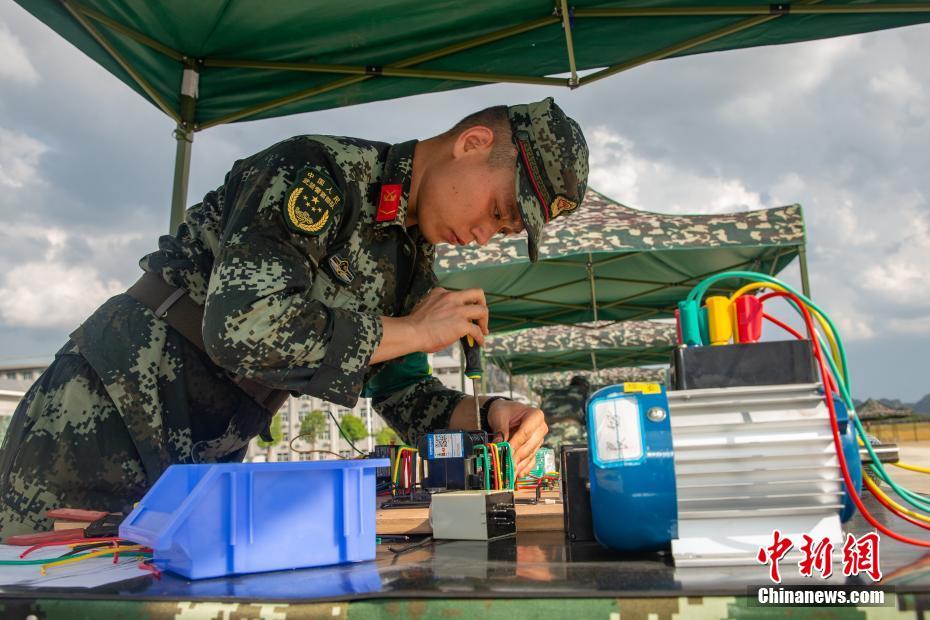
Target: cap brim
[530,211]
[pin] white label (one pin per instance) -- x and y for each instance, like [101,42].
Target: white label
[618,430]
[446,446]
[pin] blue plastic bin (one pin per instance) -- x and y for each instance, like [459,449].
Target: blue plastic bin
[213,520]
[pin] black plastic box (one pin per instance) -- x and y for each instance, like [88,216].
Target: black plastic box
[778,362]
[576,494]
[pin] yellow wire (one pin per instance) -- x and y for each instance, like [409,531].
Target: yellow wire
[877,491]
[922,470]
[91,554]
[495,455]
[499,466]
[831,338]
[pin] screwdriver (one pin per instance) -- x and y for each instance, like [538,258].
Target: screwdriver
[473,371]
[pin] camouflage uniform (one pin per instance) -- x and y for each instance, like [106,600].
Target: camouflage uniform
[294,258]
[565,413]
[128,395]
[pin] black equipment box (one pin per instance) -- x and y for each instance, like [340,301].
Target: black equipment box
[778,362]
[576,493]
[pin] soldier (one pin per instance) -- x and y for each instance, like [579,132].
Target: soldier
[565,413]
[309,271]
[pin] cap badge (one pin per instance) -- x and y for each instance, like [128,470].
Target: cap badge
[561,204]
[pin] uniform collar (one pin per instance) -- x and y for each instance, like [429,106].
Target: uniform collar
[394,189]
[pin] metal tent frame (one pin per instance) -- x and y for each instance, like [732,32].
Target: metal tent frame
[102,27]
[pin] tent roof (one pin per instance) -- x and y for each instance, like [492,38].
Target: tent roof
[257,60]
[570,347]
[641,263]
[608,376]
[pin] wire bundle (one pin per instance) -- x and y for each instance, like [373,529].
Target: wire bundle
[495,462]
[530,481]
[830,355]
[82,549]
[403,474]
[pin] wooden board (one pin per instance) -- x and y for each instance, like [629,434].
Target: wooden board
[530,518]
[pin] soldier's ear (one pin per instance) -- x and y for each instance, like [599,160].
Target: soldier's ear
[474,141]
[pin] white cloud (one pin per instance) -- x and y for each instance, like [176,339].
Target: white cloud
[900,277]
[50,289]
[897,84]
[43,294]
[14,63]
[659,185]
[19,158]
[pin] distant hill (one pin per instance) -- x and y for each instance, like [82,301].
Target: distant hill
[922,406]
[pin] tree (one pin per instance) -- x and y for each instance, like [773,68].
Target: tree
[353,427]
[386,436]
[276,435]
[312,426]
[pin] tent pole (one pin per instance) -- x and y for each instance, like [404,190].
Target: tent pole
[590,267]
[510,377]
[184,135]
[567,27]
[805,281]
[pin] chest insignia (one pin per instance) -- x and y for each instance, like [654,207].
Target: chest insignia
[312,202]
[388,202]
[340,268]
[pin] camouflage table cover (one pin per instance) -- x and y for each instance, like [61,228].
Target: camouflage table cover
[642,263]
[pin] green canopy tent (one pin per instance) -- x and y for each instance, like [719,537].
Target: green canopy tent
[605,376]
[586,346]
[610,262]
[582,347]
[210,62]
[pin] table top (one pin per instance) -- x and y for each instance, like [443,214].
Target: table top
[530,565]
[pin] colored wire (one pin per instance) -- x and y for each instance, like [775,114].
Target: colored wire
[840,382]
[922,470]
[784,326]
[837,442]
[484,467]
[134,551]
[697,293]
[910,497]
[511,470]
[72,543]
[344,436]
[498,474]
[874,488]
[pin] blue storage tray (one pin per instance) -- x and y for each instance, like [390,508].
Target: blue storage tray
[223,519]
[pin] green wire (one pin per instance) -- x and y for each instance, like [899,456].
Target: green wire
[485,468]
[907,495]
[510,467]
[51,560]
[697,293]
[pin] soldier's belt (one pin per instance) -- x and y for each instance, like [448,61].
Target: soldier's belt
[175,307]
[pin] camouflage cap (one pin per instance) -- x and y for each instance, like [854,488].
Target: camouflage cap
[552,165]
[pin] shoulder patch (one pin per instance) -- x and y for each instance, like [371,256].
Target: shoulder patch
[312,202]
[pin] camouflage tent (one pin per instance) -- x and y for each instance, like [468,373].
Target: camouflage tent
[611,262]
[213,61]
[604,376]
[582,347]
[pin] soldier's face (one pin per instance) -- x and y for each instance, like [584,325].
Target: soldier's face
[464,199]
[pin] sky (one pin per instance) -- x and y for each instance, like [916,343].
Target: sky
[841,126]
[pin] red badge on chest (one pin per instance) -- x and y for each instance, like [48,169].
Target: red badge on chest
[387,204]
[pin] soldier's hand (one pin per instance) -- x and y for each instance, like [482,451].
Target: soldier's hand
[523,426]
[444,316]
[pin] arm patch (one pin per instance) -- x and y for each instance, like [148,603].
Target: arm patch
[312,202]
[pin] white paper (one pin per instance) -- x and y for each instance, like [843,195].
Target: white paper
[85,574]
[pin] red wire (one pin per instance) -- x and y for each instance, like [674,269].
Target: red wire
[73,541]
[784,326]
[837,443]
